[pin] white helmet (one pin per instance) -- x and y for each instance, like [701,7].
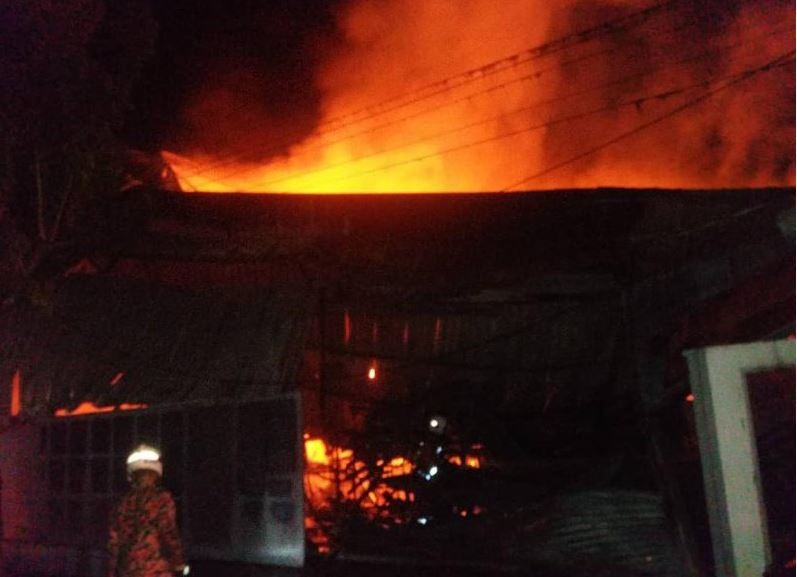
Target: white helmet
[144,457]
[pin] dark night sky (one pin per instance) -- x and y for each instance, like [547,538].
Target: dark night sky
[281,39]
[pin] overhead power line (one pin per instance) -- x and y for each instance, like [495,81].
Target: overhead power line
[539,126]
[747,75]
[552,47]
[234,159]
[636,102]
[371,112]
[464,127]
[534,75]
[712,53]
[537,74]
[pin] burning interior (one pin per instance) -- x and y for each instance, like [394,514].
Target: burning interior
[495,405]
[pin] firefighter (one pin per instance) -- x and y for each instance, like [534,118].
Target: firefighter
[143,537]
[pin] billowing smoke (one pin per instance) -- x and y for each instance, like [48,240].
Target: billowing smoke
[742,135]
[474,95]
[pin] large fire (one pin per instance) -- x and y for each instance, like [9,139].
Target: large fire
[435,95]
[335,475]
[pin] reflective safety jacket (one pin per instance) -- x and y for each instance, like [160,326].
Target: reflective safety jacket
[143,537]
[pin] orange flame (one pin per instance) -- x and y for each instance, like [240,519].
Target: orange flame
[435,96]
[469,461]
[315,451]
[335,474]
[16,402]
[89,408]
[397,467]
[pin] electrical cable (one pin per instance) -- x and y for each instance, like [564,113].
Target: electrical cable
[778,62]
[229,160]
[461,128]
[512,61]
[489,69]
[637,102]
[655,69]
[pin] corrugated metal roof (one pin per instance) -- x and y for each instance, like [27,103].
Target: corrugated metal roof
[613,532]
[170,344]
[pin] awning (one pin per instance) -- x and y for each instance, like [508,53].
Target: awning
[113,340]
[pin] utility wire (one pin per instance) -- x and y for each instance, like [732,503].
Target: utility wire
[512,61]
[226,161]
[778,62]
[462,79]
[475,124]
[534,75]
[539,126]
[524,78]
[637,102]
[711,53]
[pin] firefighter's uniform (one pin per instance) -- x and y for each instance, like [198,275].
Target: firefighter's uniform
[143,537]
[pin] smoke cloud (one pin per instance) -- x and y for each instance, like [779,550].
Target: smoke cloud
[444,95]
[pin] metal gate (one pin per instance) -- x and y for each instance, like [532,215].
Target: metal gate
[235,471]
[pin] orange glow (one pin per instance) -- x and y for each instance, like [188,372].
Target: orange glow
[469,461]
[372,373]
[472,462]
[398,466]
[333,473]
[438,334]
[315,451]
[410,104]
[690,398]
[346,328]
[89,408]
[16,399]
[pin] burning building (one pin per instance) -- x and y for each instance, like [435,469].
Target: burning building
[459,377]
[467,363]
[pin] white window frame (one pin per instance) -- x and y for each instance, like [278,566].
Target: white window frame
[731,475]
